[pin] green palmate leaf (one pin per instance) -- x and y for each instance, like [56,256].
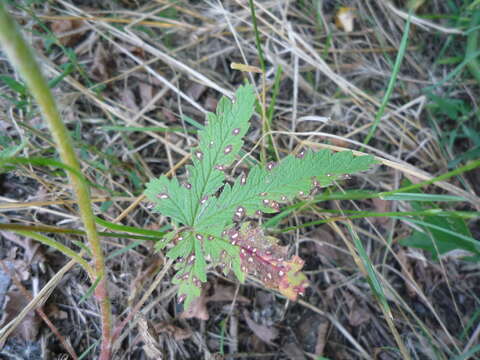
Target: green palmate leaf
[171,199]
[205,220]
[220,142]
[265,188]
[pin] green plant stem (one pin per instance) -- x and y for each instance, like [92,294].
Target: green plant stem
[392,214]
[60,247]
[391,83]
[469,166]
[54,229]
[23,60]
[258,44]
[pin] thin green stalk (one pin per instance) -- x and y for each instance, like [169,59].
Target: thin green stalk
[470,166]
[60,247]
[392,214]
[275,92]
[23,60]
[391,83]
[377,290]
[54,229]
[261,58]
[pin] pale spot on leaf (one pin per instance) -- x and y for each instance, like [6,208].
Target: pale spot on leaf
[198,154]
[301,154]
[228,149]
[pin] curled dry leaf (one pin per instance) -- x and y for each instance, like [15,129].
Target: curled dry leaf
[358,314]
[226,293]
[153,336]
[199,310]
[175,332]
[381,206]
[195,90]
[265,333]
[322,332]
[15,302]
[128,100]
[68,32]
[146,94]
[150,338]
[407,272]
[344,19]
[261,256]
[100,69]
[211,103]
[293,351]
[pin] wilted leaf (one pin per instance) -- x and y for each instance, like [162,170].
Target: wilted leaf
[226,293]
[67,31]
[344,19]
[150,338]
[358,314]
[195,90]
[175,332]
[264,333]
[198,308]
[322,331]
[15,302]
[261,256]
[293,351]
[381,206]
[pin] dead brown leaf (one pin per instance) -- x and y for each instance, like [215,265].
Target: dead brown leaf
[407,272]
[150,338]
[381,206]
[175,332]
[211,103]
[127,97]
[151,265]
[67,31]
[198,308]
[226,293]
[101,68]
[146,94]
[322,332]
[28,328]
[358,314]
[293,351]
[344,19]
[340,142]
[195,90]
[264,333]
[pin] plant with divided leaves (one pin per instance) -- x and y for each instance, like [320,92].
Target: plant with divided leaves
[211,227]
